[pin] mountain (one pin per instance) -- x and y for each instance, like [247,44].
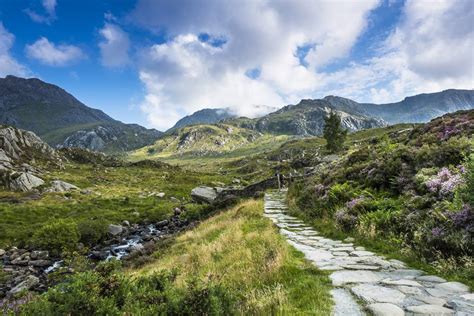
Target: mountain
[415,109]
[63,121]
[306,118]
[204,116]
[206,140]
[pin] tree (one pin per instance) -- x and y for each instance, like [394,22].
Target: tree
[333,132]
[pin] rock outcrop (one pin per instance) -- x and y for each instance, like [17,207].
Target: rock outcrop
[23,157]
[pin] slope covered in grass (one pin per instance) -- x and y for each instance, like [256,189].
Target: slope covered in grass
[243,252]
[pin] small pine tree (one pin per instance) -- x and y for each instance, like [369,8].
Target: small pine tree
[334,134]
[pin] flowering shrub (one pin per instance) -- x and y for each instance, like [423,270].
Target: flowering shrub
[345,220]
[463,219]
[444,183]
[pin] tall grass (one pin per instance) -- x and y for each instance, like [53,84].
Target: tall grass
[244,253]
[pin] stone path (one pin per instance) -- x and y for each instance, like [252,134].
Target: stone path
[360,277]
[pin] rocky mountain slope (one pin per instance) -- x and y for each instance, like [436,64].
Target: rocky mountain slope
[204,116]
[23,158]
[415,109]
[306,118]
[62,120]
[203,140]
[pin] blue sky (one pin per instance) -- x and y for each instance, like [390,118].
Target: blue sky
[151,61]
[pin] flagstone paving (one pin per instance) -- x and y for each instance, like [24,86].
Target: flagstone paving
[364,281]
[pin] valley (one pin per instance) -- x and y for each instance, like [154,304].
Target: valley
[184,210]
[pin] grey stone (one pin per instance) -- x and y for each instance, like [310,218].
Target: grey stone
[411,290]
[40,263]
[25,182]
[378,294]
[361,253]
[61,186]
[38,254]
[27,284]
[344,304]
[454,287]
[340,278]
[115,230]
[462,305]
[360,267]
[431,278]
[468,297]
[434,310]
[385,309]
[401,282]
[204,194]
[430,300]
[349,239]
[2,252]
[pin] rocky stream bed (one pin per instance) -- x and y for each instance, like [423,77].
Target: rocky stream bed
[28,269]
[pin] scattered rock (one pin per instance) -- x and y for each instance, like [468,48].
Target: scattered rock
[61,186]
[115,230]
[38,254]
[160,195]
[27,284]
[25,182]
[349,239]
[385,309]
[40,263]
[2,252]
[126,223]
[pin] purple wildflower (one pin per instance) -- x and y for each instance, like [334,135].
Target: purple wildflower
[444,182]
[354,202]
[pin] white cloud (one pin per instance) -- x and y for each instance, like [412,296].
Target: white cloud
[186,74]
[114,47]
[50,12]
[8,65]
[429,50]
[51,54]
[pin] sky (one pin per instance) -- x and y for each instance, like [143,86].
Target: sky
[153,61]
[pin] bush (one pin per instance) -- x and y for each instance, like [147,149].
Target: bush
[92,231]
[61,235]
[108,291]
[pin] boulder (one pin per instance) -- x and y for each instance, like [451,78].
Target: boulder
[25,182]
[204,194]
[2,252]
[61,186]
[115,230]
[27,284]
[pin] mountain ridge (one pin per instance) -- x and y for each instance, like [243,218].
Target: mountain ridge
[56,115]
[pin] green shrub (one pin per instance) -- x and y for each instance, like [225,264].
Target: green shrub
[92,231]
[108,291]
[58,236]
[468,190]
